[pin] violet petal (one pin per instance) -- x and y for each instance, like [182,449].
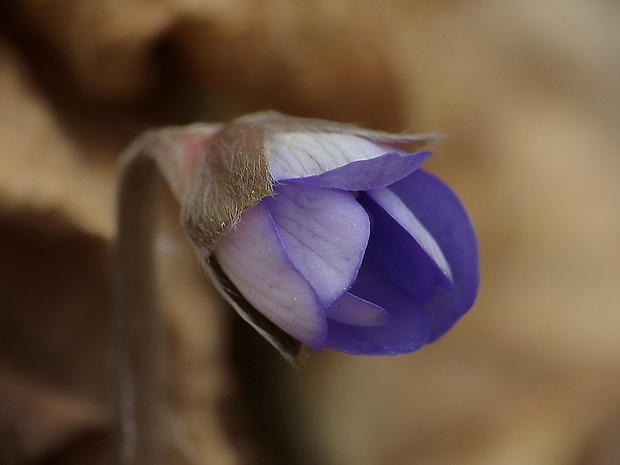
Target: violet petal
[372,173]
[299,154]
[253,257]
[324,232]
[407,327]
[440,210]
[398,276]
[403,280]
[396,208]
[400,260]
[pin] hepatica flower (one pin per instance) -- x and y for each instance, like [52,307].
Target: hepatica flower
[317,233]
[350,245]
[337,237]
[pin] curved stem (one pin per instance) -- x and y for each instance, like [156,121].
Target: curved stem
[213,181]
[140,329]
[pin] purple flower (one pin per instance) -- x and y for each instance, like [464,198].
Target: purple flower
[350,246]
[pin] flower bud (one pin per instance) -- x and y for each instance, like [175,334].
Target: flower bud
[325,233]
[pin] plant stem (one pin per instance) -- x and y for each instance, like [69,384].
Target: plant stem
[141,353]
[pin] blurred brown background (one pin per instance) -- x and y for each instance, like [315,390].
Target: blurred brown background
[528,94]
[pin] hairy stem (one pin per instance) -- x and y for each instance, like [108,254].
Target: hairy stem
[140,327]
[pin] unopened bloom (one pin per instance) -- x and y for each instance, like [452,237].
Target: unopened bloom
[339,238]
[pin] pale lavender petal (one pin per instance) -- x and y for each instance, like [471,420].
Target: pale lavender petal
[397,209]
[324,232]
[352,310]
[253,257]
[299,154]
[380,171]
[288,346]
